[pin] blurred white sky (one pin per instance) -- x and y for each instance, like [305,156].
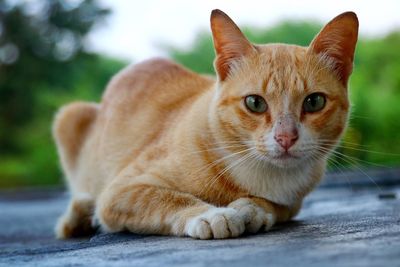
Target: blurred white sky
[136,28]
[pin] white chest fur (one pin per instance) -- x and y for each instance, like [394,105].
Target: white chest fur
[279,185]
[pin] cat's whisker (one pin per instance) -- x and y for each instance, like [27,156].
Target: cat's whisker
[338,166]
[352,163]
[246,143]
[227,168]
[216,162]
[326,141]
[371,151]
[222,148]
[348,147]
[339,154]
[228,145]
[252,162]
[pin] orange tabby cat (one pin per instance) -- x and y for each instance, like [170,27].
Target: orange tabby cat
[172,152]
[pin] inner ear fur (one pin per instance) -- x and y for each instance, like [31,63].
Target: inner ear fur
[229,42]
[337,41]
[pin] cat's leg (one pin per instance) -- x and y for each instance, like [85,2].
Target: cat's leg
[70,129]
[77,219]
[152,208]
[261,213]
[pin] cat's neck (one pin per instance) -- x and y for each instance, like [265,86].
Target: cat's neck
[285,186]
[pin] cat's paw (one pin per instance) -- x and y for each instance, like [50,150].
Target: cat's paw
[216,223]
[256,218]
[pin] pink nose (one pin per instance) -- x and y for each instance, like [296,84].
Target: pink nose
[286,140]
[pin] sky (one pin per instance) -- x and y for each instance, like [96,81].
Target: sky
[136,30]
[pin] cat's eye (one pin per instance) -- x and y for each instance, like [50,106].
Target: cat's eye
[314,102]
[256,103]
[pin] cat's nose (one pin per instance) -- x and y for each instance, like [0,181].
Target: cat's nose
[287,140]
[285,132]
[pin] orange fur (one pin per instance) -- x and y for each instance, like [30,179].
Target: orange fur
[172,152]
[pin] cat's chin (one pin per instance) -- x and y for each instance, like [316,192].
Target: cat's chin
[285,161]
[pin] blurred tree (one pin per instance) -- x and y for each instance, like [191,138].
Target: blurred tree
[37,40]
[43,64]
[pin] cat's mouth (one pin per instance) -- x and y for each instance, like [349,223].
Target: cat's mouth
[286,156]
[286,159]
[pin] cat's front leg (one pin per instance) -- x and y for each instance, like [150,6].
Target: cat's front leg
[145,205]
[261,214]
[256,217]
[217,223]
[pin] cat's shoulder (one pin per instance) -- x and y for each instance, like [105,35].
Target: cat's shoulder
[155,73]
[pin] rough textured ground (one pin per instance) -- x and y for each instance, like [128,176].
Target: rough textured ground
[348,221]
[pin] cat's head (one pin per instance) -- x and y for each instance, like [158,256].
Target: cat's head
[285,104]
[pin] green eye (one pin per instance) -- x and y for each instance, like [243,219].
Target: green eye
[256,103]
[314,102]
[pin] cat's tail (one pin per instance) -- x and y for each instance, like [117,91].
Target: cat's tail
[71,126]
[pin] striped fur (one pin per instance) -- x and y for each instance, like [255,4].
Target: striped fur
[171,152]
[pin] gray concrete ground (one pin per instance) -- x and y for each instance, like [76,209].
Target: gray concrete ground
[348,221]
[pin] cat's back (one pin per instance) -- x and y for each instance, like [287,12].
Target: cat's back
[156,83]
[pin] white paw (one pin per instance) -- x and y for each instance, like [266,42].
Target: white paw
[256,218]
[216,223]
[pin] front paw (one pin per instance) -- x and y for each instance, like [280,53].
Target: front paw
[256,218]
[216,223]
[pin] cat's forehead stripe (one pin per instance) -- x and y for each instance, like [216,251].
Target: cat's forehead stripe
[278,81]
[283,64]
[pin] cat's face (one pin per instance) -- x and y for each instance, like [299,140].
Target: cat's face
[286,104]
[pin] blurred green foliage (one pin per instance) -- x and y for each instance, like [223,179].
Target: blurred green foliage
[43,65]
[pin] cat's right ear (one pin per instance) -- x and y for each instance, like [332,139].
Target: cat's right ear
[229,42]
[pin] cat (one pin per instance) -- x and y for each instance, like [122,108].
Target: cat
[172,152]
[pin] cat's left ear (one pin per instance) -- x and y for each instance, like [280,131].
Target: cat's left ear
[229,42]
[337,41]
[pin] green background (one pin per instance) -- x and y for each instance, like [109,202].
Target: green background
[44,64]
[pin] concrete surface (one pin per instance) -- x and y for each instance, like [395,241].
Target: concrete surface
[340,225]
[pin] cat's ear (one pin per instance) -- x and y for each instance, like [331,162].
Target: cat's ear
[229,42]
[337,41]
